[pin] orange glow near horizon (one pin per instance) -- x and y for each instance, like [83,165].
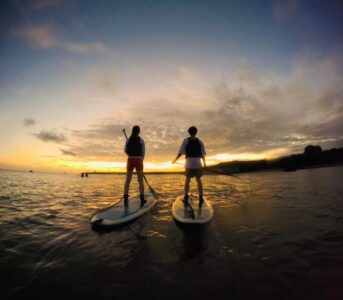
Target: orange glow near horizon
[165,166]
[106,166]
[26,160]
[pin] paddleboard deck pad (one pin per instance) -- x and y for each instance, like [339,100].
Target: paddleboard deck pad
[117,214]
[193,213]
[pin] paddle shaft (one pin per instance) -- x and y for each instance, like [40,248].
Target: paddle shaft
[221,173]
[125,133]
[217,172]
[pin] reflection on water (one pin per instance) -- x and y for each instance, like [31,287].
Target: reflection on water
[194,243]
[273,235]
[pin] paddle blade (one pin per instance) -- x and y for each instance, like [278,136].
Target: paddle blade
[192,214]
[189,211]
[153,192]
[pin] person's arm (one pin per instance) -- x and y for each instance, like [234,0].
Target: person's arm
[125,147]
[143,148]
[203,161]
[181,151]
[177,157]
[203,153]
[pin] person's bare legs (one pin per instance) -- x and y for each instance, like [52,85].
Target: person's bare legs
[128,181]
[187,181]
[140,182]
[127,187]
[198,179]
[140,175]
[201,199]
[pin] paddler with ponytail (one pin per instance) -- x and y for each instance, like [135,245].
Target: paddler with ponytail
[135,149]
[194,150]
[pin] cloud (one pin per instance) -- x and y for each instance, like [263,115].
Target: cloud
[251,112]
[29,122]
[44,37]
[104,80]
[66,152]
[50,136]
[284,9]
[102,141]
[38,5]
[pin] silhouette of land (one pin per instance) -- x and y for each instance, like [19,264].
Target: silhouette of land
[312,157]
[85,174]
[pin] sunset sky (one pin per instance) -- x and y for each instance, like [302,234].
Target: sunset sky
[259,79]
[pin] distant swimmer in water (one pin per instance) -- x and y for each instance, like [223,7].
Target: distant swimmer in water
[135,149]
[194,150]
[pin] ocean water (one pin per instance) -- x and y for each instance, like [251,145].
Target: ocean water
[274,235]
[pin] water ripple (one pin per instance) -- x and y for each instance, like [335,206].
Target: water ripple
[271,231]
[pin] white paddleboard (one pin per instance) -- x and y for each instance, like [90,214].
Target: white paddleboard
[192,214]
[118,214]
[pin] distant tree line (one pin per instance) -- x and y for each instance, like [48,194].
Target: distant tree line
[313,156]
[310,149]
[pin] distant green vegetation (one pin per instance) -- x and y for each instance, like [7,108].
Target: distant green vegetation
[313,156]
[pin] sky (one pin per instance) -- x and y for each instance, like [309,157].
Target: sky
[259,79]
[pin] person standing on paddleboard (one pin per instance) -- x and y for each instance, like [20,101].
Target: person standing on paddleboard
[135,149]
[194,150]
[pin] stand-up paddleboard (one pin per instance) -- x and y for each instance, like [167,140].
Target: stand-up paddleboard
[117,214]
[193,213]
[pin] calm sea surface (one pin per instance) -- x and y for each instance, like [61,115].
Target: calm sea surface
[274,235]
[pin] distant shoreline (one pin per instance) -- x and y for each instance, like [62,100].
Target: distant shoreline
[223,173]
[178,172]
[291,163]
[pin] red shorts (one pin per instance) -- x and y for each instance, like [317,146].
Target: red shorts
[134,163]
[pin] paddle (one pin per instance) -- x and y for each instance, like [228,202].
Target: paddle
[221,173]
[191,211]
[152,191]
[217,172]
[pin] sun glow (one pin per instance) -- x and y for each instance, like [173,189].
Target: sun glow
[230,157]
[106,166]
[77,165]
[151,166]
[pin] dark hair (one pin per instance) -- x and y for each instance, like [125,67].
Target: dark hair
[192,130]
[135,131]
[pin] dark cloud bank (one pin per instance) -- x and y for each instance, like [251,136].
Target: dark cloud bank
[67,152]
[50,136]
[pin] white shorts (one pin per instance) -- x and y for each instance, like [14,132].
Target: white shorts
[193,163]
